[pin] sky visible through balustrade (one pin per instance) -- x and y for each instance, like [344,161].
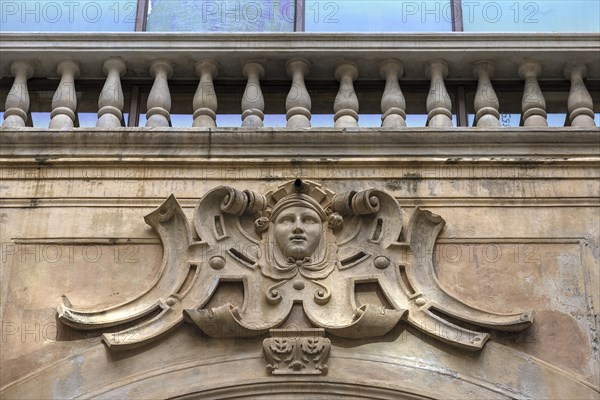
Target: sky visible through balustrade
[42,119]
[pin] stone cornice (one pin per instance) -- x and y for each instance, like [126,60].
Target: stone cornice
[302,40]
[542,144]
[324,51]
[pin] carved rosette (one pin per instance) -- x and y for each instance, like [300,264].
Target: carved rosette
[298,244]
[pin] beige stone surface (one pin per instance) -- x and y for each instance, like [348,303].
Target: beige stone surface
[518,235]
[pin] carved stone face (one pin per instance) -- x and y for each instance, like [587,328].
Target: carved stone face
[298,232]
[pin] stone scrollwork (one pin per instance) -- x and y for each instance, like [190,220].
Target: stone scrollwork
[299,244]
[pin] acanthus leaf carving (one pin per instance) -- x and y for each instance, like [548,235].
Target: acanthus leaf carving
[297,351]
[299,244]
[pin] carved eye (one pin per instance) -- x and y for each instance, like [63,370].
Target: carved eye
[287,219]
[309,220]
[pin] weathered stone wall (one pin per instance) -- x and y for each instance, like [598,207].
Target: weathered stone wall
[522,232]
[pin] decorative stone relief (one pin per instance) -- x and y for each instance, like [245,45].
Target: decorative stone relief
[294,351]
[299,244]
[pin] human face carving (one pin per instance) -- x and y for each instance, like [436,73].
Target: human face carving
[298,232]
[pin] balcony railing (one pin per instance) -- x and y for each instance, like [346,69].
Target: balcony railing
[484,60]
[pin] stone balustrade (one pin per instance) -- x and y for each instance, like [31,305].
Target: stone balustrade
[253,102]
[205,98]
[439,105]
[393,103]
[533,104]
[64,102]
[392,69]
[580,103]
[346,102]
[298,102]
[17,101]
[111,101]
[159,99]
[486,101]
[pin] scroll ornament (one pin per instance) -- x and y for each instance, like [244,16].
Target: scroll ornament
[299,244]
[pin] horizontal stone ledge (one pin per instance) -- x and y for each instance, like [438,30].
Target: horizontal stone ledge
[323,51]
[446,203]
[188,167]
[456,144]
[300,39]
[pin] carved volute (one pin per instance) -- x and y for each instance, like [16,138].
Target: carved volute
[298,244]
[158,105]
[17,100]
[253,102]
[64,102]
[298,102]
[111,101]
[533,104]
[486,101]
[346,102]
[205,98]
[439,104]
[580,104]
[393,104]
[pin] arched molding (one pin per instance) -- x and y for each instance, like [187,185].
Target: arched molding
[210,368]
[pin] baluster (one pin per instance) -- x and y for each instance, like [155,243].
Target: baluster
[439,104]
[533,104]
[111,101]
[579,104]
[346,102]
[486,101]
[253,102]
[205,98]
[17,100]
[64,102]
[298,102]
[159,100]
[393,104]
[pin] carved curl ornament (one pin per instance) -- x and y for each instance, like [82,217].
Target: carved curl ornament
[299,244]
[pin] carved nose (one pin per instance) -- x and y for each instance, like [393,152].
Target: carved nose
[298,227]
